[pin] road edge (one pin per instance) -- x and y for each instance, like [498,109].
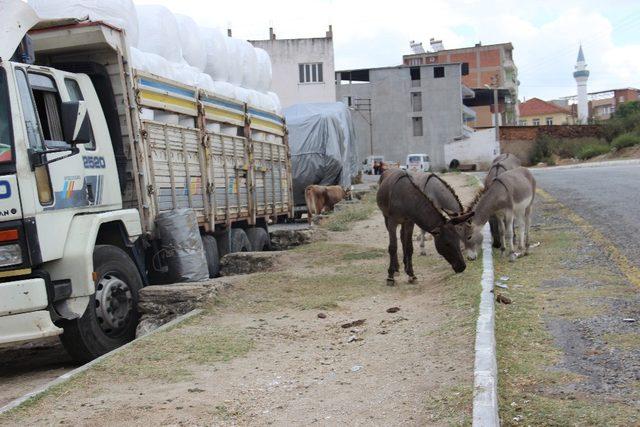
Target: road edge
[69,375]
[485,372]
[621,162]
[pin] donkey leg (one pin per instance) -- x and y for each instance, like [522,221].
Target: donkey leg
[406,234]
[501,232]
[521,231]
[392,227]
[509,235]
[423,234]
[527,225]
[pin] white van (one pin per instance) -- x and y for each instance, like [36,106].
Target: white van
[418,162]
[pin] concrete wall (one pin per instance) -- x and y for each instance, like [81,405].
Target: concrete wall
[389,90]
[520,140]
[286,55]
[479,149]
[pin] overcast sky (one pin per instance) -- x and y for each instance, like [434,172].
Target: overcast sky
[545,34]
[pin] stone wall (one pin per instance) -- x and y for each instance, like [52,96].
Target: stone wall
[520,140]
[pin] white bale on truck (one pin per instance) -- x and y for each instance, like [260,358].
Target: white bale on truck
[92,151]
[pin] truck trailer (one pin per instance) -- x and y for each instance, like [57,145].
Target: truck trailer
[91,152]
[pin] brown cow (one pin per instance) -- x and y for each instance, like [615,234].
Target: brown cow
[321,198]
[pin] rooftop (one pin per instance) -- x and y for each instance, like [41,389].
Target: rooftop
[459,49]
[536,107]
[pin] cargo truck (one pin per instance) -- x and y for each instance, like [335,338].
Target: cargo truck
[91,151]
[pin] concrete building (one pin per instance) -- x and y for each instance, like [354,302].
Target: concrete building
[303,69]
[581,74]
[536,112]
[403,110]
[482,66]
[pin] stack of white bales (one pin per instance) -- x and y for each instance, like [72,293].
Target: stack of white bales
[175,47]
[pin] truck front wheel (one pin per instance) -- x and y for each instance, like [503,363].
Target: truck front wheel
[111,317]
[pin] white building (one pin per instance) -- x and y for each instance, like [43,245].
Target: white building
[582,75]
[303,69]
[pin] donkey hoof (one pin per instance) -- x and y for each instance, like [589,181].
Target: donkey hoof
[391,281]
[413,279]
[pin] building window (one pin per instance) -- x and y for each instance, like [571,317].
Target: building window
[310,73]
[438,72]
[415,76]
[522,122]
[536,122]
[416,101]
[465,68]
[417,126]
[549,121]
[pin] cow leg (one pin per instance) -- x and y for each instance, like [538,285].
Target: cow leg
[406,233]
[392,228]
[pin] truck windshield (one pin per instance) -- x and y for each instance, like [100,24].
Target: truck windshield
[6,142]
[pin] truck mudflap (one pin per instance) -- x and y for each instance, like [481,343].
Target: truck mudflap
[23,311]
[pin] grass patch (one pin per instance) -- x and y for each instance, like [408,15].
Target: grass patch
[626,140]
[624,341]
[343,220]
[590,150]
[528,381]
[371,254]
[451,406]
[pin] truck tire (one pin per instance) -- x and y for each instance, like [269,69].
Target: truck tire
[111,317]
[211,253]
[259,239]
[239,242]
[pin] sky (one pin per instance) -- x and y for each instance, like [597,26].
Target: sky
[545,34]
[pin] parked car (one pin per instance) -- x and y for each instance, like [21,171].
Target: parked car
[418,162]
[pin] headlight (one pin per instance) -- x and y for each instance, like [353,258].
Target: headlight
[10,255]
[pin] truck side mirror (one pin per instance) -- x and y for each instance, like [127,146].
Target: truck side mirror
[75,122]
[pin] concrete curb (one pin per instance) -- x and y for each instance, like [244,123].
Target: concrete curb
[589,165]
[485,373]
[69,375]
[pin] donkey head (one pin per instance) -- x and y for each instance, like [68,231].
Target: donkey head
[447,241]
[472,239]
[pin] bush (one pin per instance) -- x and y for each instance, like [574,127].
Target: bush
[589,150]
[626,140]
[542,150]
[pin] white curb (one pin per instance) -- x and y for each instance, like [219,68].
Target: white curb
[589,165]
[485,374]
[67,376]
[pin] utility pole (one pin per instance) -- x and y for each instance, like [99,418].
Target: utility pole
[496,114]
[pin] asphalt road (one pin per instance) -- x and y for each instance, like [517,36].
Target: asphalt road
[606,196]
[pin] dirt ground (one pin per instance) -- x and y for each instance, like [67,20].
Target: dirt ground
[566,355]
[273,350]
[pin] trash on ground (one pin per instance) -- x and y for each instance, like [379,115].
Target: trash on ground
[504,278]
[504,300]
[629,320]
[502,285]
[354,323]
[356,368]
[354,338]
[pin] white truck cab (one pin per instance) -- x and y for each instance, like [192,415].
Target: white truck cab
[83,174]
[417,162]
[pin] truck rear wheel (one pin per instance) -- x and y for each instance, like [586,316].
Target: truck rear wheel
[237,242]
[211,253]
[259,239]
[111,317]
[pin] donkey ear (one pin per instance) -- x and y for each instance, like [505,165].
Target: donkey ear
[462,218]
[450,213]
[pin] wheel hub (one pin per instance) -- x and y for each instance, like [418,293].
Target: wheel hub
[114,303]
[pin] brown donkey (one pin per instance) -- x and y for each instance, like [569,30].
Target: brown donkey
[403,203]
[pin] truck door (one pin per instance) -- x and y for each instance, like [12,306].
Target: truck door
[61,186]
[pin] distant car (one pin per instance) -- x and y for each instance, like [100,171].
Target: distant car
[418,162]
[371,162]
